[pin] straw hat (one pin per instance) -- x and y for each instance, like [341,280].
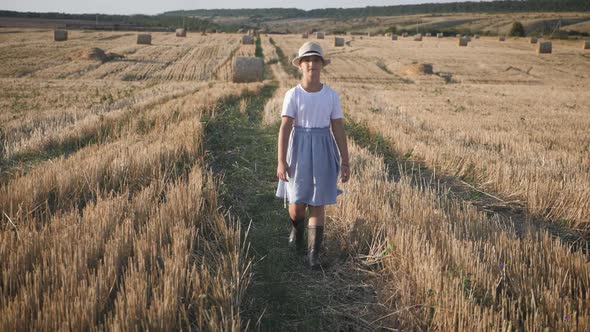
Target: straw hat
[309,49]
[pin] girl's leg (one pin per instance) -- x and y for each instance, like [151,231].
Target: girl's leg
[297,211]
[297,219]
[315,235]
[317,215]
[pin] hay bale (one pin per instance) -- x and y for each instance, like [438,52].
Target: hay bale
[248,69]
[463,41]
[419,69]
[304,35]
[544,47]
[144,39]
[586,45]
[440,35]
[338,41]
[476,36]
[393,37]
[418,37]
[501,39]
[180,33]
[97,54]
[93,53]
[428,34]
[319,35]
[405,34]
[247,40]
[60,35]
[533,40]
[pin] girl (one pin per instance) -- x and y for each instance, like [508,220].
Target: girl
[308,161]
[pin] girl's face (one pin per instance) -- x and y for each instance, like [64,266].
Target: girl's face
[311,66]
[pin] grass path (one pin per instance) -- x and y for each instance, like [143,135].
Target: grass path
[285,294]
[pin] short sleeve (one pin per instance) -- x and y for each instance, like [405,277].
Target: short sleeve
[289,105]
[336,108]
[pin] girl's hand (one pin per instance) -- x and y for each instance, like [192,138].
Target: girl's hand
[283,171]
[344,172]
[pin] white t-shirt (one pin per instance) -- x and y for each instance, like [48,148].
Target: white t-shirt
[312,109]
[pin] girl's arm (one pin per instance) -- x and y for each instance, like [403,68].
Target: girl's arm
[340,137]
[284,133]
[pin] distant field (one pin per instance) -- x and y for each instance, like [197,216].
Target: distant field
[121,182]
[477,23]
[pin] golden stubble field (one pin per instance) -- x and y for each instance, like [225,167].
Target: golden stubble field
[110,214]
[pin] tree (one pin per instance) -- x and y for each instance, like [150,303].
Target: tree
[517,29]
[391,29]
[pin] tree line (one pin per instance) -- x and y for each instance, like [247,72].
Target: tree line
[508,6]
[127,21]
[196,20]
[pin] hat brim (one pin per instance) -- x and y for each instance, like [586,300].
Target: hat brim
[296,61]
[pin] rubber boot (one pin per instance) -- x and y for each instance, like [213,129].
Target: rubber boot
[315,235]
[296,236]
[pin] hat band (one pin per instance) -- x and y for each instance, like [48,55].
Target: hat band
[309,53]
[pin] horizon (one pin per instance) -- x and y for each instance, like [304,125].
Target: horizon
[129,7]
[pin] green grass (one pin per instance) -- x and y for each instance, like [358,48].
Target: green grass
[258,51]
[285,62]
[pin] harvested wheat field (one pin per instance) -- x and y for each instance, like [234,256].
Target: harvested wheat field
[137,186]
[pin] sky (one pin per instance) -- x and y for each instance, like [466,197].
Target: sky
[152,7]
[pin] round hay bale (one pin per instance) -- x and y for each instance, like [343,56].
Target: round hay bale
[419,69]
[463,41]
[533,40]
[247,40]
[393,37]
[144,39]
[248,69]
[440,35]
[586,45]
[319,35]
[544,47]
[93,53]
[418,37]
[501,38]
[60,35]
[405,34]
[180,33]
[338,41]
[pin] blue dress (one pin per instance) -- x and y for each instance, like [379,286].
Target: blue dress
[314,165]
